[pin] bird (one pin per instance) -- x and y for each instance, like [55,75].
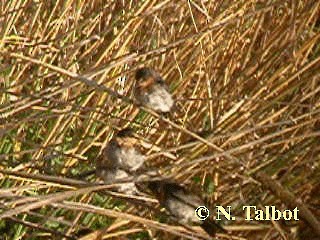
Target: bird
[120,159]
[122,152]
[152,91]
[181,204]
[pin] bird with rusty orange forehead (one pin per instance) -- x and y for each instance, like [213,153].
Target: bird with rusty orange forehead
[181,204]
[120,159]
[152,91]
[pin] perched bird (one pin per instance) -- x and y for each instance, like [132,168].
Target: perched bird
[152,91]
[122,152]
[120,159]
[181,204]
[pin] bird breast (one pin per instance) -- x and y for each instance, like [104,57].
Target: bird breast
[183,212]
[160,99]
[130,159]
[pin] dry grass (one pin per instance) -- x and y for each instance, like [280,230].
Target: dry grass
[247,72]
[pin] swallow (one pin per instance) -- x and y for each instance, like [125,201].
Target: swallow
[181,204]
[122,152]
[114,175]
[120,159]
[152,91]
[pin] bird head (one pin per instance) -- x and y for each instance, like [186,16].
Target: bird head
[155,187]
[126,138]
[126,132]
[144,73]
[147,76]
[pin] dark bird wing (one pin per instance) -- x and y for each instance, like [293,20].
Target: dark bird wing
[181,204]
[211,227]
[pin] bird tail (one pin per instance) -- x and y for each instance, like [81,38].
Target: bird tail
[211,227]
